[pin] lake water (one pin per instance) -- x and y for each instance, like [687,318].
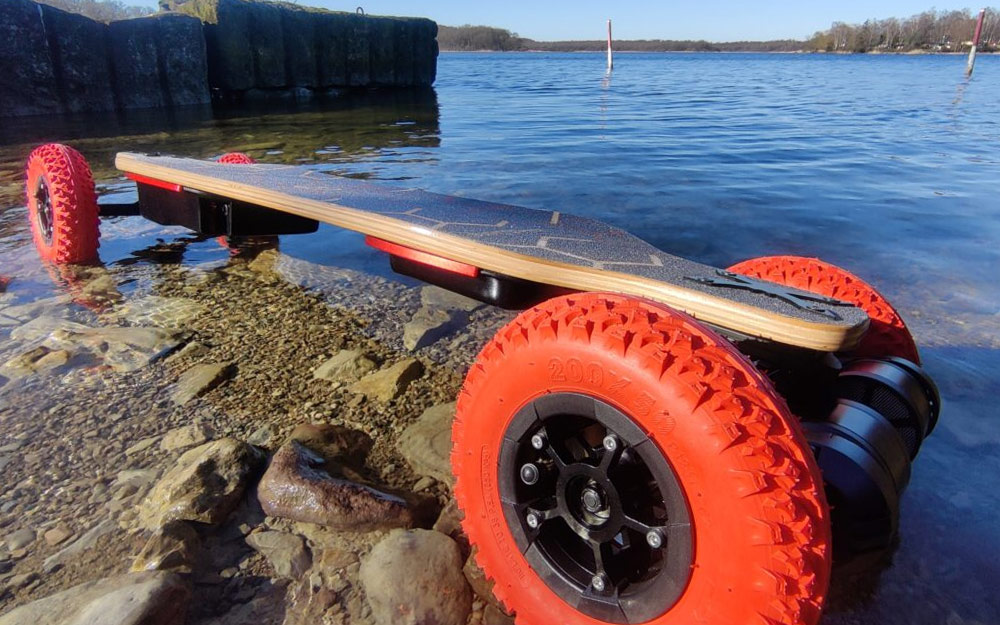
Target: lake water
[886,165]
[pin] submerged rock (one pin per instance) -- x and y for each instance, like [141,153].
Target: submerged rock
[388,384]
[199,379]
[81,544]
[347,365]
[186,436]
[164,312]
[426,444]
[302,485]
[415,578]
[146,598]
[205,485]
[440,313]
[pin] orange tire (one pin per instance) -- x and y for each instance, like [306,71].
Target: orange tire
[235,158]
[62,205]
[758,518]
[887,335]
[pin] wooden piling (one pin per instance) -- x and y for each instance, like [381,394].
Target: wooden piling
[611,62]
[971,65]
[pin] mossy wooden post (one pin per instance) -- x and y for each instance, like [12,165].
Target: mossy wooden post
[971,65]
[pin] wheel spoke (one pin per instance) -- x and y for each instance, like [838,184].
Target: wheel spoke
[551,452]
[599,567]
[611,458]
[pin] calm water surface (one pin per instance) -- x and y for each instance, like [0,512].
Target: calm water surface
[889,166]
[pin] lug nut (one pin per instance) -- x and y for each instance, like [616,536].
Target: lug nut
[529,474]
[598,583]
[538,441]
[611,442]
[533,520]
[654,539]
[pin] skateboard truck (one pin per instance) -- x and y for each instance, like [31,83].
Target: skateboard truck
[800,299]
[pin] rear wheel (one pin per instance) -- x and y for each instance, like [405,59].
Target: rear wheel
[887,335]
[62,205]
[617,462]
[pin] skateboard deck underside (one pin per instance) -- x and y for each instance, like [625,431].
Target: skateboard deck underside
[542,246]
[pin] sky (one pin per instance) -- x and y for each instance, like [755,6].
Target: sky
[713,20]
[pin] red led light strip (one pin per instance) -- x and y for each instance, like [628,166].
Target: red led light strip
[423,257]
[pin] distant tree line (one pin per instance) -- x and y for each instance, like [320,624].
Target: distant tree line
[472,38]
[940,31]
[100,10]
[936,31]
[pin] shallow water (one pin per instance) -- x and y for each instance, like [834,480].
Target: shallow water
[887,165]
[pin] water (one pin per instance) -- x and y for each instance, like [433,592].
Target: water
[887,165]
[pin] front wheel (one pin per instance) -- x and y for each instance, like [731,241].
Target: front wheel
[62,205]
[617,462]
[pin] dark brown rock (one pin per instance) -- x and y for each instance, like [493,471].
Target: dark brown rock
[83,70]
[301,485]
[27,76]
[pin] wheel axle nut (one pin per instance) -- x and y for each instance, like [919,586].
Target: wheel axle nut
[529,474]
[598,583]
[654,539]
[611,442]
[538,441]
[533,520]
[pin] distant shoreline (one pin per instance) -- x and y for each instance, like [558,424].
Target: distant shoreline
[810,52]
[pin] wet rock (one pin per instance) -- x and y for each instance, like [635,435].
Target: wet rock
[186,436]
[28,83]
[32,361]
[347,365]
[388,384]
[163,312]
[173,547]
[286,552]
[264,436]
[426,443]
[147,598]
[51,308]
[20,539]
[302,485]
[200,379]
[415,577]
[205,485]
[81,544]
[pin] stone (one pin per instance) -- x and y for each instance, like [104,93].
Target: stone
[493,615]
[478,582]
[440,313]
[32,361]
[298,26]
[335,443]
[141,446]
[347,365]
[388,384]
[57,535]
[28,81]
[20,539]
[147,598]
[81,544]
[449,522]
[301,485]
[123,349]
[186,436]
[286,552]
[184,59]
[264,436]
[173,547]
[137,80]
[205,484]
[426,443]
[436,297]
[199,379]
[414,577]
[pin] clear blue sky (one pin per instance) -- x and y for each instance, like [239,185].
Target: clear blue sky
[714,20]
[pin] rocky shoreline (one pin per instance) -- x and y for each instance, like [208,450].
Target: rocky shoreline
[260,439]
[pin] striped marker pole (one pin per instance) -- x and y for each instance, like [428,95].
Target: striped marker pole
[971,65]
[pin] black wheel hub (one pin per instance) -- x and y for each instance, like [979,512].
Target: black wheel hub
[43,210]
[595,508]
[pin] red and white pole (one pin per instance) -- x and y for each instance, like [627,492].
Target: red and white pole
[975,44]
[611,63]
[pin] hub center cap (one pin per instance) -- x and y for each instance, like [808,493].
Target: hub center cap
[592,500]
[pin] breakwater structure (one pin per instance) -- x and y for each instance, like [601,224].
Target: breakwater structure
[199,51]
